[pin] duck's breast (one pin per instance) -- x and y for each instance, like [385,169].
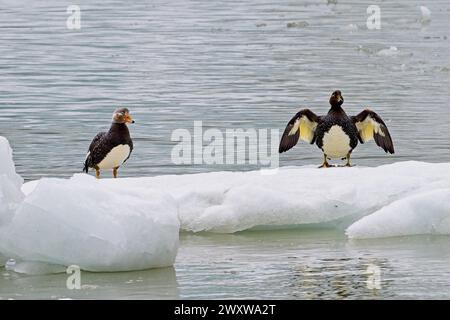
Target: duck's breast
[115,157]
[336,142]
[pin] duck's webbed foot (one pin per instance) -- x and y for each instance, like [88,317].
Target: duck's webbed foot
[347,164]
[325,163]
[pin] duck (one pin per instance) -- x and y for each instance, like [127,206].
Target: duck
[110,150]
[336,133]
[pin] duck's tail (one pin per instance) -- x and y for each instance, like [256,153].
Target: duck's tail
[87,162]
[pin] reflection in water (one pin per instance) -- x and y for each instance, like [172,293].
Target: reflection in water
[340,278]
[308,264]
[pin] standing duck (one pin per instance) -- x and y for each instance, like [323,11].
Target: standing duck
[336,134]
[109,150]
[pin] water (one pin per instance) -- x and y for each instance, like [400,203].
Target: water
[231,65]
[302,264]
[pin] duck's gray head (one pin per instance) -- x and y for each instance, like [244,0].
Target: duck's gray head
[122,115]
[336,98]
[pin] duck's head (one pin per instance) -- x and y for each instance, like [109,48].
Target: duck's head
[122,115]
[336,98]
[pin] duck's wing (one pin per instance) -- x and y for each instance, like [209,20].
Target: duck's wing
[302,126]
[95,141]
[371,126]
[92,155]
[130,144]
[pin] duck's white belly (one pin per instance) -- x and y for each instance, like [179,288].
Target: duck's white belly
[115,157]
[336,144]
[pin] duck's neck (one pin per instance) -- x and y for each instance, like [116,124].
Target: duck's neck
[121,128]
[336,108]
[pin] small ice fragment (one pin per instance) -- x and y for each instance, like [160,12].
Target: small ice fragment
[392,51]
[351,27]
[10,265]
[426,14]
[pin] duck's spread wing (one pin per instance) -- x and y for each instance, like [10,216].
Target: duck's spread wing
[371,126]
[302,126]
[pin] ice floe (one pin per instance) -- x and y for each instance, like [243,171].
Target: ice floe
[424,213]
[425,15]
[133,223]
[392,51]
[79,221]
[228,202]
[10,183]
[98,227]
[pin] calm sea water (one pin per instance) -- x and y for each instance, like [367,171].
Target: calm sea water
[306,264]
[232,65]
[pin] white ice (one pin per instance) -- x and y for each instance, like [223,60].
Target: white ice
[227,202]
[392,51]
[424,213]
[99,227]
[425,14]
[10,183]
[133,223]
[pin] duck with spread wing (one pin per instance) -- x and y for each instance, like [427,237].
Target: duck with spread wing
[336,134]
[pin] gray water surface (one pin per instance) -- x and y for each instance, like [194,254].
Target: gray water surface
[302,264]
[231,64]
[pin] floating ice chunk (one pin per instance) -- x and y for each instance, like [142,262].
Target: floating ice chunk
[7,167]
[425,213]
[95,226]
[10,264]
[425,15]
[28,187]
[351,27]
[299,197]
[10,183]
[227,202]
[392,51]
[10,198]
